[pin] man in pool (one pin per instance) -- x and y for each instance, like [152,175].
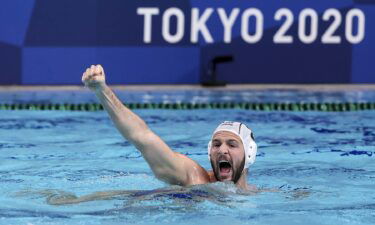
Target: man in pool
[231,150]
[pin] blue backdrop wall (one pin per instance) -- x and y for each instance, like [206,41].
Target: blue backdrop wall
[174,42]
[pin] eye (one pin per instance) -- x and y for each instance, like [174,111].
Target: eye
[216,144]
[233,144]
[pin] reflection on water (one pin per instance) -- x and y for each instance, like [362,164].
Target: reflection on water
[218,193]
[176,198]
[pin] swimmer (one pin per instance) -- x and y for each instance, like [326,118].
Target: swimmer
[231,150]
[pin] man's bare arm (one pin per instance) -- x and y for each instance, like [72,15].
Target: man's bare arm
[166,164]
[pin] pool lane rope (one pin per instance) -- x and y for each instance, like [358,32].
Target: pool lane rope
[326,107]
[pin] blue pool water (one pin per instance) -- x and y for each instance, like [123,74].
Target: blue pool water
[320,163]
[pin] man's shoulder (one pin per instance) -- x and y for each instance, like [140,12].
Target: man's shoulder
[212,176]
[195,172]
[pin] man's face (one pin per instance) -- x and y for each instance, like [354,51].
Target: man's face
[227,156]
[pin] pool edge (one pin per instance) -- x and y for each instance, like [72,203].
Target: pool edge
[306,87]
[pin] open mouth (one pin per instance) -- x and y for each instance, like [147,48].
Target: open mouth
[225,167]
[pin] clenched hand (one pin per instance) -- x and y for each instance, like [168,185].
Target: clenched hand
[94,78]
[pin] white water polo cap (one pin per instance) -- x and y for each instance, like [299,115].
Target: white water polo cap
[247,138]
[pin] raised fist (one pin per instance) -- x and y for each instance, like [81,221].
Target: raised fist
[94,77]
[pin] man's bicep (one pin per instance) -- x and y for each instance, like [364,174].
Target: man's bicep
[164,162]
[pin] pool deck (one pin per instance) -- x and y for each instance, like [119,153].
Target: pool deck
[310,87]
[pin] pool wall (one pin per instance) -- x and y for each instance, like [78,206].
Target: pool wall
[52,42]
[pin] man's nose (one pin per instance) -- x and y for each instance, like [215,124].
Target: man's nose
[223,149]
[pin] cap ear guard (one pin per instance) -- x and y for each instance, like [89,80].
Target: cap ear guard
[250,146]
[251,154]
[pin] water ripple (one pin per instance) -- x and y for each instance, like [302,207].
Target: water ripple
[14,145]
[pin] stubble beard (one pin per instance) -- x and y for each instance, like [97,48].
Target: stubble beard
[235,177]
